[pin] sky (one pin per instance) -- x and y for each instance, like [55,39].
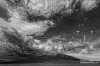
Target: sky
[61,17]
[82,16]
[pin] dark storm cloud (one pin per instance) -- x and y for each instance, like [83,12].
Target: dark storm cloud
[27,10]
[3,11]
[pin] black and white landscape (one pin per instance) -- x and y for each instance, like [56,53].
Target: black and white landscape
[49,31]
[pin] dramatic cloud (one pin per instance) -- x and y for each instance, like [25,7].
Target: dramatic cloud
[89,4]
[47,8]
[22,11]
[29,18]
